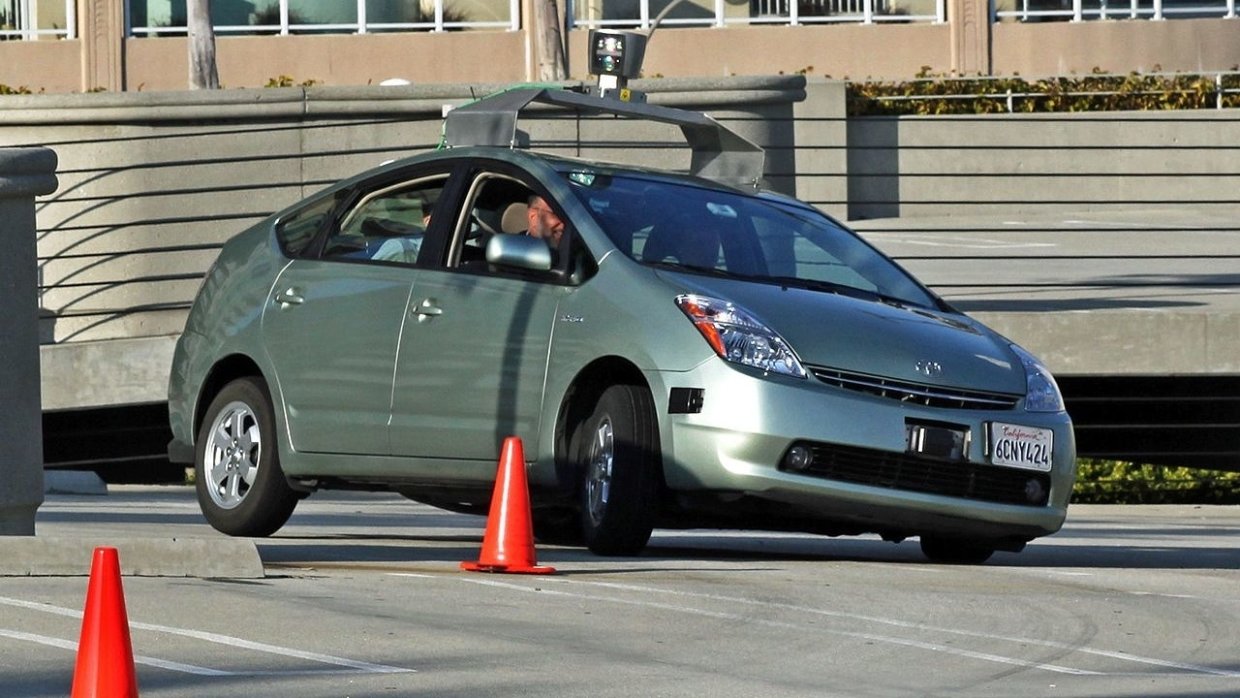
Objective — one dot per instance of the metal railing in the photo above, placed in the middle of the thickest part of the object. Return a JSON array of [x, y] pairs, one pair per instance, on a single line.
[[289, 21], [27, 20], [1083, 10], [592, 13]]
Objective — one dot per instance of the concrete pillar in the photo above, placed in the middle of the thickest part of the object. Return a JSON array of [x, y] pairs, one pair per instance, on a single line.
[[101, 26], [970, 36], [820, 137], [24, 174]]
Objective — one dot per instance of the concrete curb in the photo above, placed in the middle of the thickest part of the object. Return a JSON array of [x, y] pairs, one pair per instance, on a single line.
[[73, 482], [43, 556]]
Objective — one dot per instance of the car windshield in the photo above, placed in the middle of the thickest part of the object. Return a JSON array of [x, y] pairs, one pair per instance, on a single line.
[[721, 233]]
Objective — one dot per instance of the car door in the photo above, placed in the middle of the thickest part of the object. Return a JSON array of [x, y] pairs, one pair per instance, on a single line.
[[473, 357], [332, 324]]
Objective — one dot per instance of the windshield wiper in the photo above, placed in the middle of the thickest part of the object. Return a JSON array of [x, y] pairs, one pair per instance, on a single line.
[[709, 271], [815, 285], [839, 289]]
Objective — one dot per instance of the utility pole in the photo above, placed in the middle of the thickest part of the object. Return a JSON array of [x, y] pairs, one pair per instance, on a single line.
[[203, 74], [552, 56]]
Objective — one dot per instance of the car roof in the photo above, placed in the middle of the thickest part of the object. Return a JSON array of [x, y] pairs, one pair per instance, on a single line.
[[535, 159]]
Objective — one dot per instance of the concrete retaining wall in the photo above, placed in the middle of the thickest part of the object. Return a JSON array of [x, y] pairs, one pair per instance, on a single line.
[[153, 183], [1005, 164]]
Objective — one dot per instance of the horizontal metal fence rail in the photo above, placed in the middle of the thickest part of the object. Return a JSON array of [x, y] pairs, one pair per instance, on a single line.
[[583, 14], [290, 22], [1085, 10]]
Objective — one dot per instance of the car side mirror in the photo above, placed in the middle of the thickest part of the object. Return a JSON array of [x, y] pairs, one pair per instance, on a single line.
[[519, 251]]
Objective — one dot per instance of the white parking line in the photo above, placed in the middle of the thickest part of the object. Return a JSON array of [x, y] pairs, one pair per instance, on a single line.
[[1195, 668], [148, 661], [351, 665], [721, 615], [920, 627]]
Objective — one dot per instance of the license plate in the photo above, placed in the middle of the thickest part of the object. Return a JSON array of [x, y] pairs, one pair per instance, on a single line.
[[1018, 446]]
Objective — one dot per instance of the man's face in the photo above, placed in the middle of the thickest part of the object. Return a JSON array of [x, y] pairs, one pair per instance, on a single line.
[[543, 223]]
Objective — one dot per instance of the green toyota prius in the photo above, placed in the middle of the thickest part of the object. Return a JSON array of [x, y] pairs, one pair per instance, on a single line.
[[682, 350]]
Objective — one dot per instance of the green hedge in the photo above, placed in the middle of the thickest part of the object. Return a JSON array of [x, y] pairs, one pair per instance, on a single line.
[[1119, 482], [936, 94]]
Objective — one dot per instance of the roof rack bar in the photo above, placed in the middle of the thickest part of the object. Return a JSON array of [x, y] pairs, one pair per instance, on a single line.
[[719, 153]]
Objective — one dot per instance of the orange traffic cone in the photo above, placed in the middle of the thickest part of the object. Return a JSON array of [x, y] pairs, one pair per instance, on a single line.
[[105, 657], [508, 545]]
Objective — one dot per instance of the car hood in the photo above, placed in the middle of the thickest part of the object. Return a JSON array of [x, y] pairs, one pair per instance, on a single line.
[[909, 343]]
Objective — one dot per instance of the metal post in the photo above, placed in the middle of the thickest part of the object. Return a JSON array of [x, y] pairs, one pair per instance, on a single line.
[[24, 174]]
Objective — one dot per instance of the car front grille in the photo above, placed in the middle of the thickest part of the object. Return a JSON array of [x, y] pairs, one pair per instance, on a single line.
[[916, 393], [902, 471]]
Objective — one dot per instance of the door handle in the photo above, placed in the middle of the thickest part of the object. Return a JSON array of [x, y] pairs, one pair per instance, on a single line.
[[288, 297], [426, 310]]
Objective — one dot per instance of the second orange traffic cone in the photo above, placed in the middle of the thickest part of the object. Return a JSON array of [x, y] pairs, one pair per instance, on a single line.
[[105, 656], [508, 545]]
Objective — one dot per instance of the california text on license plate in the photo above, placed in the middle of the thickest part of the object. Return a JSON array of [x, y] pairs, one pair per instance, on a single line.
[[1021, 447]]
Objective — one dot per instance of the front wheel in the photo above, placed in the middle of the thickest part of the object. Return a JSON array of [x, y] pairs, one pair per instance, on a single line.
[[956, 551], [618, 451], [241, 487]]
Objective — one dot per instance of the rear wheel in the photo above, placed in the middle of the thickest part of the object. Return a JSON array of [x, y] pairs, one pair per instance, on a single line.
[[956, 551], [241, 487], [617, 449]]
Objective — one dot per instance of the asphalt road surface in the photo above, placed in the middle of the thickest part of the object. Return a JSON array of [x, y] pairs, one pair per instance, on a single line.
[[363, 597]]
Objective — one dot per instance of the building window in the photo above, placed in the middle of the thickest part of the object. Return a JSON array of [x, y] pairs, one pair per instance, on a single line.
[[37, 19], [718, 13], [168, 17]]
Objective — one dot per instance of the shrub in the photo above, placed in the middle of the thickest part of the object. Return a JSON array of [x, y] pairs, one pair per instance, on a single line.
[[288, 81], [1121, 482], [931, 94]]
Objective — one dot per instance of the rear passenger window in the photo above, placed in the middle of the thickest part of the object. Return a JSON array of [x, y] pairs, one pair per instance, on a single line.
[[296, 231], [387, 225]]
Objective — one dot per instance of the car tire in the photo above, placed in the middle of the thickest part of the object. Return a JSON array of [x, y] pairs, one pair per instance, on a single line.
[[618, 452], [956, 551], [241, 488]]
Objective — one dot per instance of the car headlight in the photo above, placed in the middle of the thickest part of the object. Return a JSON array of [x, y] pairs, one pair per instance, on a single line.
[[1042, 393], [737, 336]]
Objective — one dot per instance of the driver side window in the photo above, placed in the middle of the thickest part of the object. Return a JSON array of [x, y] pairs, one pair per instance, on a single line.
[[497, 206]]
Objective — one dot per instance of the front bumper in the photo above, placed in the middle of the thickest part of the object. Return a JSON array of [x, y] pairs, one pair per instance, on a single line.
[[747, 422]]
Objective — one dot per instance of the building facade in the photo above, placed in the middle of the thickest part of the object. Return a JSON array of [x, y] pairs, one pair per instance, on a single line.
[[139, 45]]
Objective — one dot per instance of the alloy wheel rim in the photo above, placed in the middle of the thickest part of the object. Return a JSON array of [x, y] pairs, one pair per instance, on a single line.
[[233, 450], [598, 479]]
